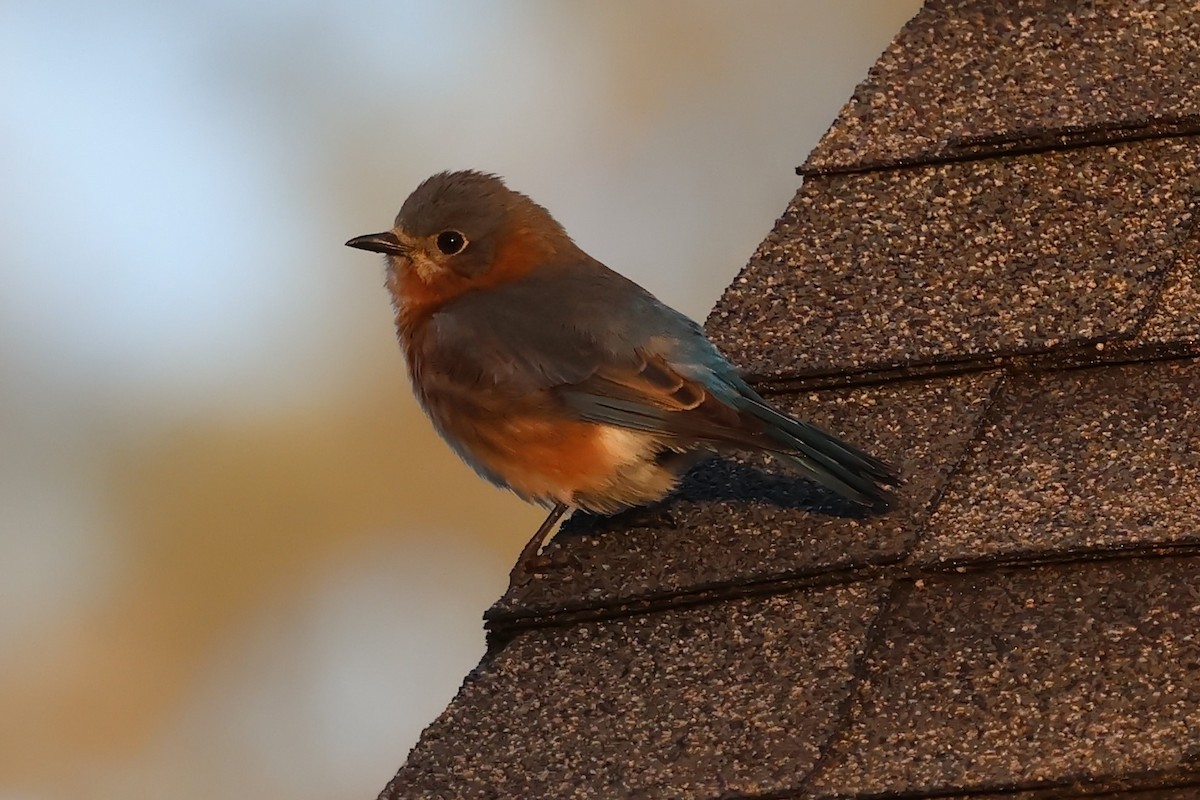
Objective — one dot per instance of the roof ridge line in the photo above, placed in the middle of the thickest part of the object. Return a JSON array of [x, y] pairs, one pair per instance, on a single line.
[[1031, 142]]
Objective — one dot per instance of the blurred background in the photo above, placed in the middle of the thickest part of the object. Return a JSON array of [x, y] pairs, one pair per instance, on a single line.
[[234, 558]]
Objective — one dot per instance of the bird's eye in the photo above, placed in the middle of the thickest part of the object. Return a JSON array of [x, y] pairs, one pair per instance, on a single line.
[[451, 242]]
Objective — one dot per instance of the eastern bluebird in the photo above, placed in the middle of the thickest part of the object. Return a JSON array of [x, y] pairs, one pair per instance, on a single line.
[[557, 378]]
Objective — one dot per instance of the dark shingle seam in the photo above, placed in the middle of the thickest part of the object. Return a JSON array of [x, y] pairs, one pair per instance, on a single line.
[[1029, 143], [1075, 555], [894, 596], [964, 454], [1098, 353], [1188, 238], [1129, 786], [501, 628]]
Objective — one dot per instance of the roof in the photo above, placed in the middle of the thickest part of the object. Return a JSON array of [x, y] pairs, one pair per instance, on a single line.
[[990, 277]]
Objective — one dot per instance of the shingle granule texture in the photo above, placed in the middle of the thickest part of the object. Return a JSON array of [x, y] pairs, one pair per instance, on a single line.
[[1176, 318], [994, 283], [635, 707], [1051, 674], [1077, 461], [968, 78], [962, 261]]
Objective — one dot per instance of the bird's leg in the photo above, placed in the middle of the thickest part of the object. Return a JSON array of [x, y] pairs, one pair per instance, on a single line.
[[530, 552]]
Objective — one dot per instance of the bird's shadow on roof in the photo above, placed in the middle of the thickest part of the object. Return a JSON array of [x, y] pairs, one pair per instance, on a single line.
[[723, 481]]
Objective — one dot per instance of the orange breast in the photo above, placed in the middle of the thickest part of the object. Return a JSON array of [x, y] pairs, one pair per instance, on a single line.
[[538, 457]]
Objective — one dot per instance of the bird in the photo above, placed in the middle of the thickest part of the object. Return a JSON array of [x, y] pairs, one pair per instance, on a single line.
[[560, 379]]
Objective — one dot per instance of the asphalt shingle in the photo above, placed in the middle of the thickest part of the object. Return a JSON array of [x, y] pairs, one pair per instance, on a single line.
[[963, 261], [966, 78], [1176, 316], [1058, 674], [635, 707], [1078, 461]]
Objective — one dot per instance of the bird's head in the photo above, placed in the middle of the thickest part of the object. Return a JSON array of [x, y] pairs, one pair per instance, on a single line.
[[464, 230]]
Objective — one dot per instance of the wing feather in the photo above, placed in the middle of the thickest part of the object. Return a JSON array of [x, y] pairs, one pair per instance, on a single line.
[[632, 362]]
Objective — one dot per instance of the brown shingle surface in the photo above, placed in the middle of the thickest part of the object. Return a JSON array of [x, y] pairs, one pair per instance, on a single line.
[[967, 78], [1079, 460], [1021, 334], [962, 261], [1055, 674], [636, 707], [733, 524], [1176, 316]]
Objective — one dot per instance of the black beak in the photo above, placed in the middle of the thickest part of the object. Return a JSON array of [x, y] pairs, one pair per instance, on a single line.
[[379, 243]]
